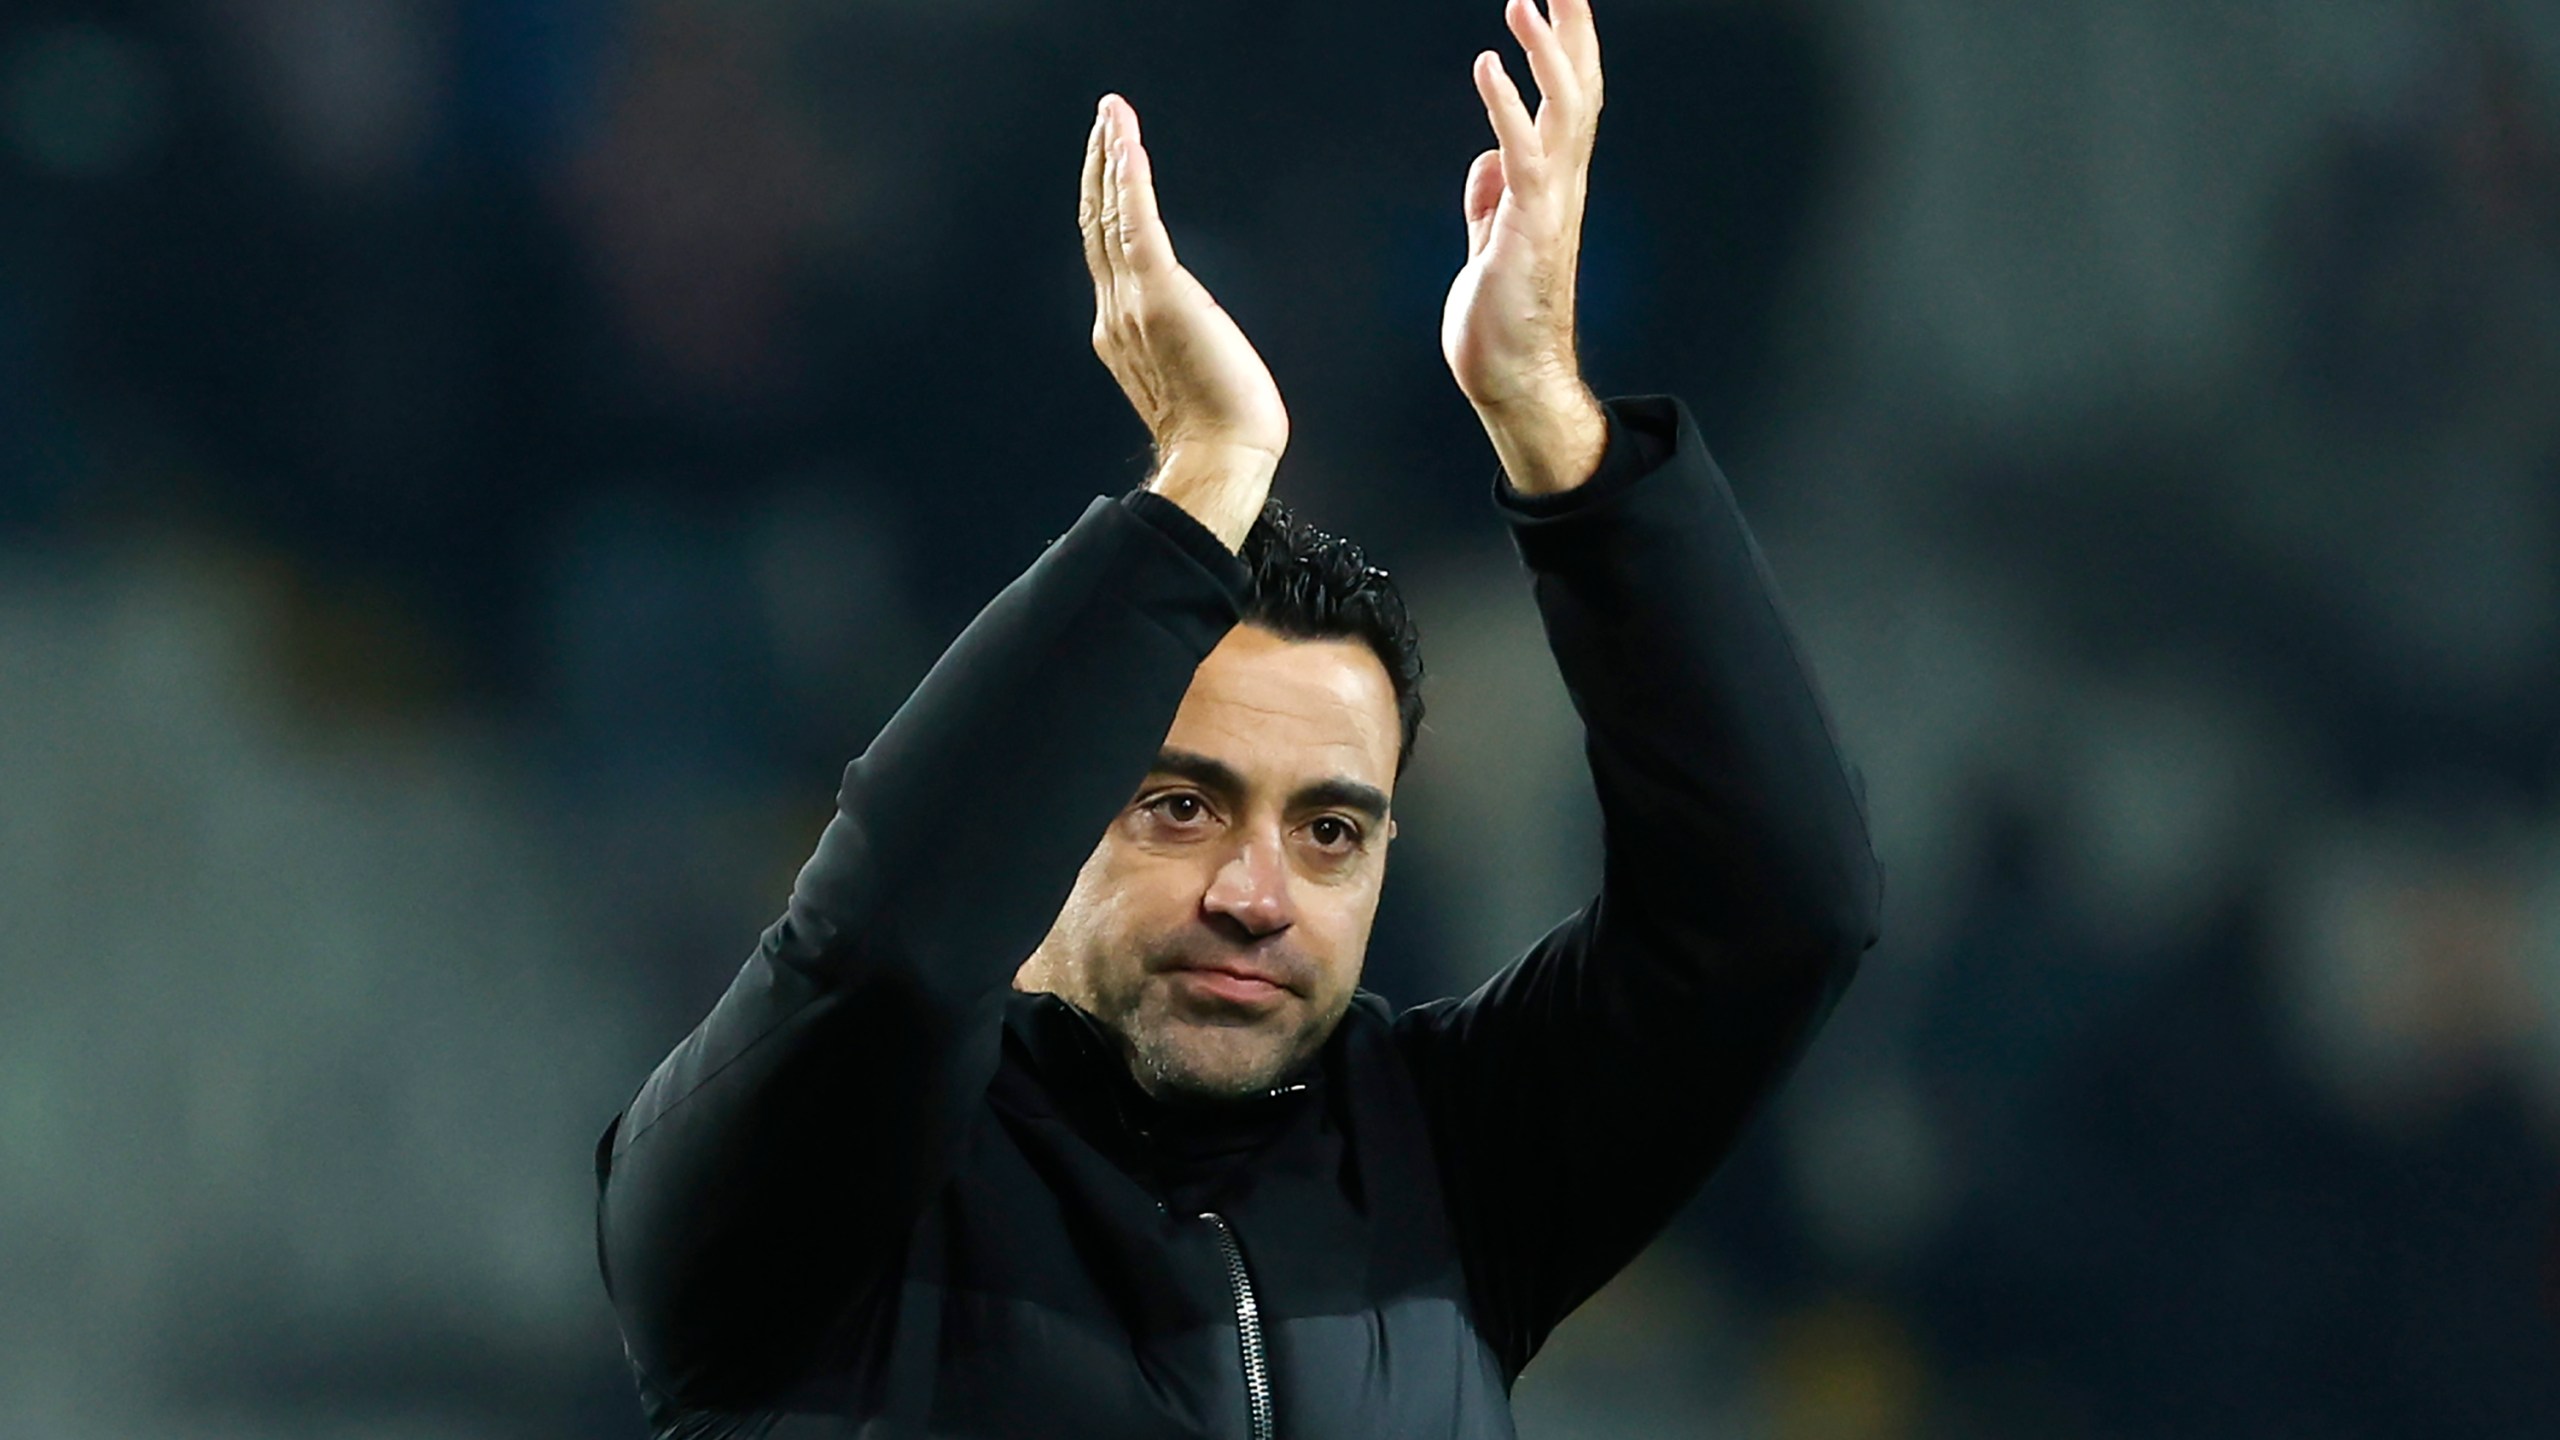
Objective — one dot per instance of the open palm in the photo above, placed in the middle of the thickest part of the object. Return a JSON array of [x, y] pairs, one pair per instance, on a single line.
[[1507, 330]]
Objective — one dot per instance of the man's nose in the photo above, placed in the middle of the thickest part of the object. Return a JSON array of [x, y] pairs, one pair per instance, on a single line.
[[1252, 887]]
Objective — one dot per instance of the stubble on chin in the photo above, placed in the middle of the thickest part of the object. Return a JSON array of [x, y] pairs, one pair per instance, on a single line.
[[1174, 1054]]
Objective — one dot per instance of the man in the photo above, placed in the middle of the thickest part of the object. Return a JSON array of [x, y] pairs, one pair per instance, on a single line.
[[1181, 1177]]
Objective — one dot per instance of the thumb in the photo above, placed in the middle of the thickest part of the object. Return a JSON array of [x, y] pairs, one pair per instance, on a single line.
[[1483, 193]]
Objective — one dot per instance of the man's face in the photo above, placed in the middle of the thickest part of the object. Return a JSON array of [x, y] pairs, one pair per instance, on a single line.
[[1218, 928]]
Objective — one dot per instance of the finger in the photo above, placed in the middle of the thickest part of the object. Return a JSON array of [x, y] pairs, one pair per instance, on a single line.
[[1143, 239], [1115, 262], [1089, 204], [1521, 150], [1481, 197], [1566, 106], [1559, 89], [1574, 27]]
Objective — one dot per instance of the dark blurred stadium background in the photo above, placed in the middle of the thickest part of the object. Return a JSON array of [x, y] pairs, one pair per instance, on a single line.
[[471, 471]]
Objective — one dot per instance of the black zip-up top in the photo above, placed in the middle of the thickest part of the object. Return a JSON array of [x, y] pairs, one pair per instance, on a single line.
[[879, 1193]]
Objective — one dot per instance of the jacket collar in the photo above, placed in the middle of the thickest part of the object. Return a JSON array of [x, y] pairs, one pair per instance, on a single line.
[[1087, 1082]]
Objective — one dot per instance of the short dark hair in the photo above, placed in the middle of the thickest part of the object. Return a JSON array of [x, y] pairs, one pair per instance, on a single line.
[[1308, 585]]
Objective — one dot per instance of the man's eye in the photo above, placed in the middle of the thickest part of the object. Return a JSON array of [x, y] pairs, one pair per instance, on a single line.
[[1333, 833], [1180, 809]]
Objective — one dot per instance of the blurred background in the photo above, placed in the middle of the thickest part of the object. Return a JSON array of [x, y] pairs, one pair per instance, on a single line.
[[472, 471]]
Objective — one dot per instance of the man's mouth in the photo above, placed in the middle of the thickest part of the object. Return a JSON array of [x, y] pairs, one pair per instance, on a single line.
[[1233, 984]]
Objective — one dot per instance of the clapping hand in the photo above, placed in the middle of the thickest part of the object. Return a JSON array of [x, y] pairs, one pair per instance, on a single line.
[[1187, 369], [1508, 328]]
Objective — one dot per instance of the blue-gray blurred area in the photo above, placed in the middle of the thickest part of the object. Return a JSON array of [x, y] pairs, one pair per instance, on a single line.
[[472, 471]]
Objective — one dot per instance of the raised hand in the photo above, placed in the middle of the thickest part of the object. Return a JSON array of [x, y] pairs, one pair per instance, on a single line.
[[1203, 392], [1508, 328]]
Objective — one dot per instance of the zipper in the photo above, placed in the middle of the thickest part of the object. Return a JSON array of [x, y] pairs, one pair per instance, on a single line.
[[1257, 1369]]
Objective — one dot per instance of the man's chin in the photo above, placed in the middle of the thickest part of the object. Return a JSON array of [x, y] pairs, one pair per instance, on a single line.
[[1216, 1059]]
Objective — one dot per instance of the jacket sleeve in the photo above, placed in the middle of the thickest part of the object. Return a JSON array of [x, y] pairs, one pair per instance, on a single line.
[[766, 1175], [1582, 1095]]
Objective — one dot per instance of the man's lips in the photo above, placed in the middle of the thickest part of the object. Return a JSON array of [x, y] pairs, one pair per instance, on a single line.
[[1243, 984]]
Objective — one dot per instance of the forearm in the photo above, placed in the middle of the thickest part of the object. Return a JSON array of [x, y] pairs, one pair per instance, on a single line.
[[1733, 825], [774, 1159], [960, 829], [1549, 444], [1220, 485], [1581, 1096]]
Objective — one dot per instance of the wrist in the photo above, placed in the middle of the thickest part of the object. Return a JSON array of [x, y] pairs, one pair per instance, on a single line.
[[1220, 485], [1551, 442]]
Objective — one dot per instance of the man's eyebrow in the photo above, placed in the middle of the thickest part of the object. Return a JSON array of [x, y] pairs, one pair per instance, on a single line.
[[1200, 770], [1220, 778], [1341, 794]]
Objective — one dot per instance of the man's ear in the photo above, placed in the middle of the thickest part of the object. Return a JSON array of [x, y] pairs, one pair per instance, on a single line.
[[1391, 827]]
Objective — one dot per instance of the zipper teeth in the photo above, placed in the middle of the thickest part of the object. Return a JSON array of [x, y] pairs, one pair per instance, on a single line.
[[1257, 1372]]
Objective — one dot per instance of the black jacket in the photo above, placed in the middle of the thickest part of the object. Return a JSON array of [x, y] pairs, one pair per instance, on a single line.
[[877, 1192]]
